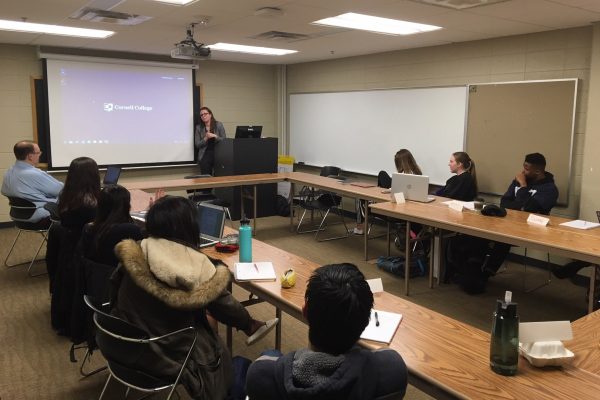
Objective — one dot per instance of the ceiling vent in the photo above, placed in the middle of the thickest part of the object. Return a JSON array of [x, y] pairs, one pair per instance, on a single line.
[[281, 36], [109, 17], [459, 4]]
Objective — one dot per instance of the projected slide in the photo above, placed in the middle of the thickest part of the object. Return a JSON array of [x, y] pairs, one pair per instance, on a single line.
[[119, 114]]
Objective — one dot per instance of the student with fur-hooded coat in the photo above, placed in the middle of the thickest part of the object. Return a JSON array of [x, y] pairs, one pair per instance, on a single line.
[[164, 284]]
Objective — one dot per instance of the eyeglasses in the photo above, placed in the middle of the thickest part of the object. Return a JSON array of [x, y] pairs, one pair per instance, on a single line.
[[37, 152], [204, 114]]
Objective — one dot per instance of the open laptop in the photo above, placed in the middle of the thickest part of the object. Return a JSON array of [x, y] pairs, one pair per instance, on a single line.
[[211, 221], [111, 177], [414, 187]]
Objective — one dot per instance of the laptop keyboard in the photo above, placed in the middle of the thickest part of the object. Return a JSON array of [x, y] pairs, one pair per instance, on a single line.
[[205, 241]]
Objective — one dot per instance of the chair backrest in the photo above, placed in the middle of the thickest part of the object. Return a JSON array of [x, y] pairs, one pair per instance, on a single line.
[[21, 208], [384, 180], [123, 345], [330, 171]]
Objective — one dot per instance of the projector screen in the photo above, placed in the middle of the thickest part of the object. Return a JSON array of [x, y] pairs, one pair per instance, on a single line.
[[118, 113]]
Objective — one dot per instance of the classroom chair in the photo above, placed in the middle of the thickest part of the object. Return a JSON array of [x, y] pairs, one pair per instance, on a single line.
[[122, 344], [323, 202], [20, 211]]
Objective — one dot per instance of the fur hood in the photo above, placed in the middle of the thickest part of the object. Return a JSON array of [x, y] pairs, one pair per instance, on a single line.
[[175, 274]]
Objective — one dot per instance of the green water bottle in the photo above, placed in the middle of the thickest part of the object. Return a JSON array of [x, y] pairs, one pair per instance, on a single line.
[[504, 343], [245, 240]]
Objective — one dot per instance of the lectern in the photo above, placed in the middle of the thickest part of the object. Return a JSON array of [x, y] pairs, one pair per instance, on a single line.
[[242, 157]]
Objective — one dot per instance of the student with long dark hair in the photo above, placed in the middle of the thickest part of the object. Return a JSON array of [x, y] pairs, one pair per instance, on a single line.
[[168, 284], [78, 200], [111, 225]]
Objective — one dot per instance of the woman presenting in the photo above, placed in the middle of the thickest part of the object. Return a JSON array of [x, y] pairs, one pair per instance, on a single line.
[[208, 132]]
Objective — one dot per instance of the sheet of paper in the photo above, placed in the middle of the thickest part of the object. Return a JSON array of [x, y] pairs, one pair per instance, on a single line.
[[469, 205], [388, 323], [456, 206], [537, 220], [376, 285], [546, 331], [398, 198], [580, 224], [254, 271]]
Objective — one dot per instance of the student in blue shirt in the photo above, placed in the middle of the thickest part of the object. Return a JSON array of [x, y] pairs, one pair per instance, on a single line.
[[26, 181]]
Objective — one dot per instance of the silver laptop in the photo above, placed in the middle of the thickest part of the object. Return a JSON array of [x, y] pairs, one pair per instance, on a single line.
[[211, 221], [414, 187]]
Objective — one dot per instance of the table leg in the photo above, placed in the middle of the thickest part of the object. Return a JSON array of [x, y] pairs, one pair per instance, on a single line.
[[388, 237], [592, 289], [255, 212], [366, 229], [292, 207], [407, 253], [242, 211], [278, 329], [431, 253]]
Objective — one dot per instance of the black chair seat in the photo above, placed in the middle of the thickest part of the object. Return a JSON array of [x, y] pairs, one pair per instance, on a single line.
[[42, 225]]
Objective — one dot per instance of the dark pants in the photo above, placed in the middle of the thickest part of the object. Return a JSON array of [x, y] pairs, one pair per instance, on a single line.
[[207, 162], [497, 256]]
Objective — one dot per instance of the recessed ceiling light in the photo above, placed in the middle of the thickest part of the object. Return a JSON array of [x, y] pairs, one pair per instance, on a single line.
[[53, 29], [176, 2], [239, 48], [376, 24]]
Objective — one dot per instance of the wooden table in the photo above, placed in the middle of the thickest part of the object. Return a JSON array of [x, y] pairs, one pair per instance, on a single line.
[[342, 188], [211, 182], [446, 358], [586, 343], [513, 229]]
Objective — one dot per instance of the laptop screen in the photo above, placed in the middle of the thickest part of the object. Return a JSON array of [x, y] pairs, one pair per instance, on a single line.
[[112, 175], [211, 220]]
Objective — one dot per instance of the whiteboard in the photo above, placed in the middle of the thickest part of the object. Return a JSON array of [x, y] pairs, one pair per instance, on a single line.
[[361, 131]]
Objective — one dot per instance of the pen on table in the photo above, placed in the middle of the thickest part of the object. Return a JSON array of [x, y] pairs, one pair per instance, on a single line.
[[376, 319], [255, 266]]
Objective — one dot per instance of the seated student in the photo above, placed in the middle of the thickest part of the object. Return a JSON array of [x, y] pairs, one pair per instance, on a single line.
[[111, 225], [164, 283], [533, 190], [406, 164], [462, 186], [76, 207], [26, 181], [338, 304], [78, 200]]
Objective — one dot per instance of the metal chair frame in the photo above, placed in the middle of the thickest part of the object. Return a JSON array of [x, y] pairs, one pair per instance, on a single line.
[[21, 229], [140, 340]]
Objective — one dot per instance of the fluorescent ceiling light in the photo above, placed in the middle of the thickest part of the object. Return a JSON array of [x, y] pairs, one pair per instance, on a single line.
[[53, 29], [177, 2], [239, 48], [376, 24]]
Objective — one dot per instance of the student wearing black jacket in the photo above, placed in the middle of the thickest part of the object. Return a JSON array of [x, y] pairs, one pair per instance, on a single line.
[[463, 185], [533, 190]]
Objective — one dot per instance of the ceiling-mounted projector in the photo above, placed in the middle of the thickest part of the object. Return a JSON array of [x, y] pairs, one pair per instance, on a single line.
[[189, 49]]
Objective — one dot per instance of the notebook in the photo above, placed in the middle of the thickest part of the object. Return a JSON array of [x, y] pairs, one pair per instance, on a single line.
[[254, 271], [111, 177], [385, 330], [414, 187], [211, 221]]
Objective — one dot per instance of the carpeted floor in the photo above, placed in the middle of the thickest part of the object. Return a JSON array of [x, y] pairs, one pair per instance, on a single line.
[[34, 362]]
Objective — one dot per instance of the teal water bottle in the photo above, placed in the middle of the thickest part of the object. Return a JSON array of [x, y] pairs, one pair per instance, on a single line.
[[245, 238], [504, 343]]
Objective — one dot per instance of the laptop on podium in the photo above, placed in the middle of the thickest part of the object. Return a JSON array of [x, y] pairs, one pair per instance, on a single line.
[[414, 187]]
